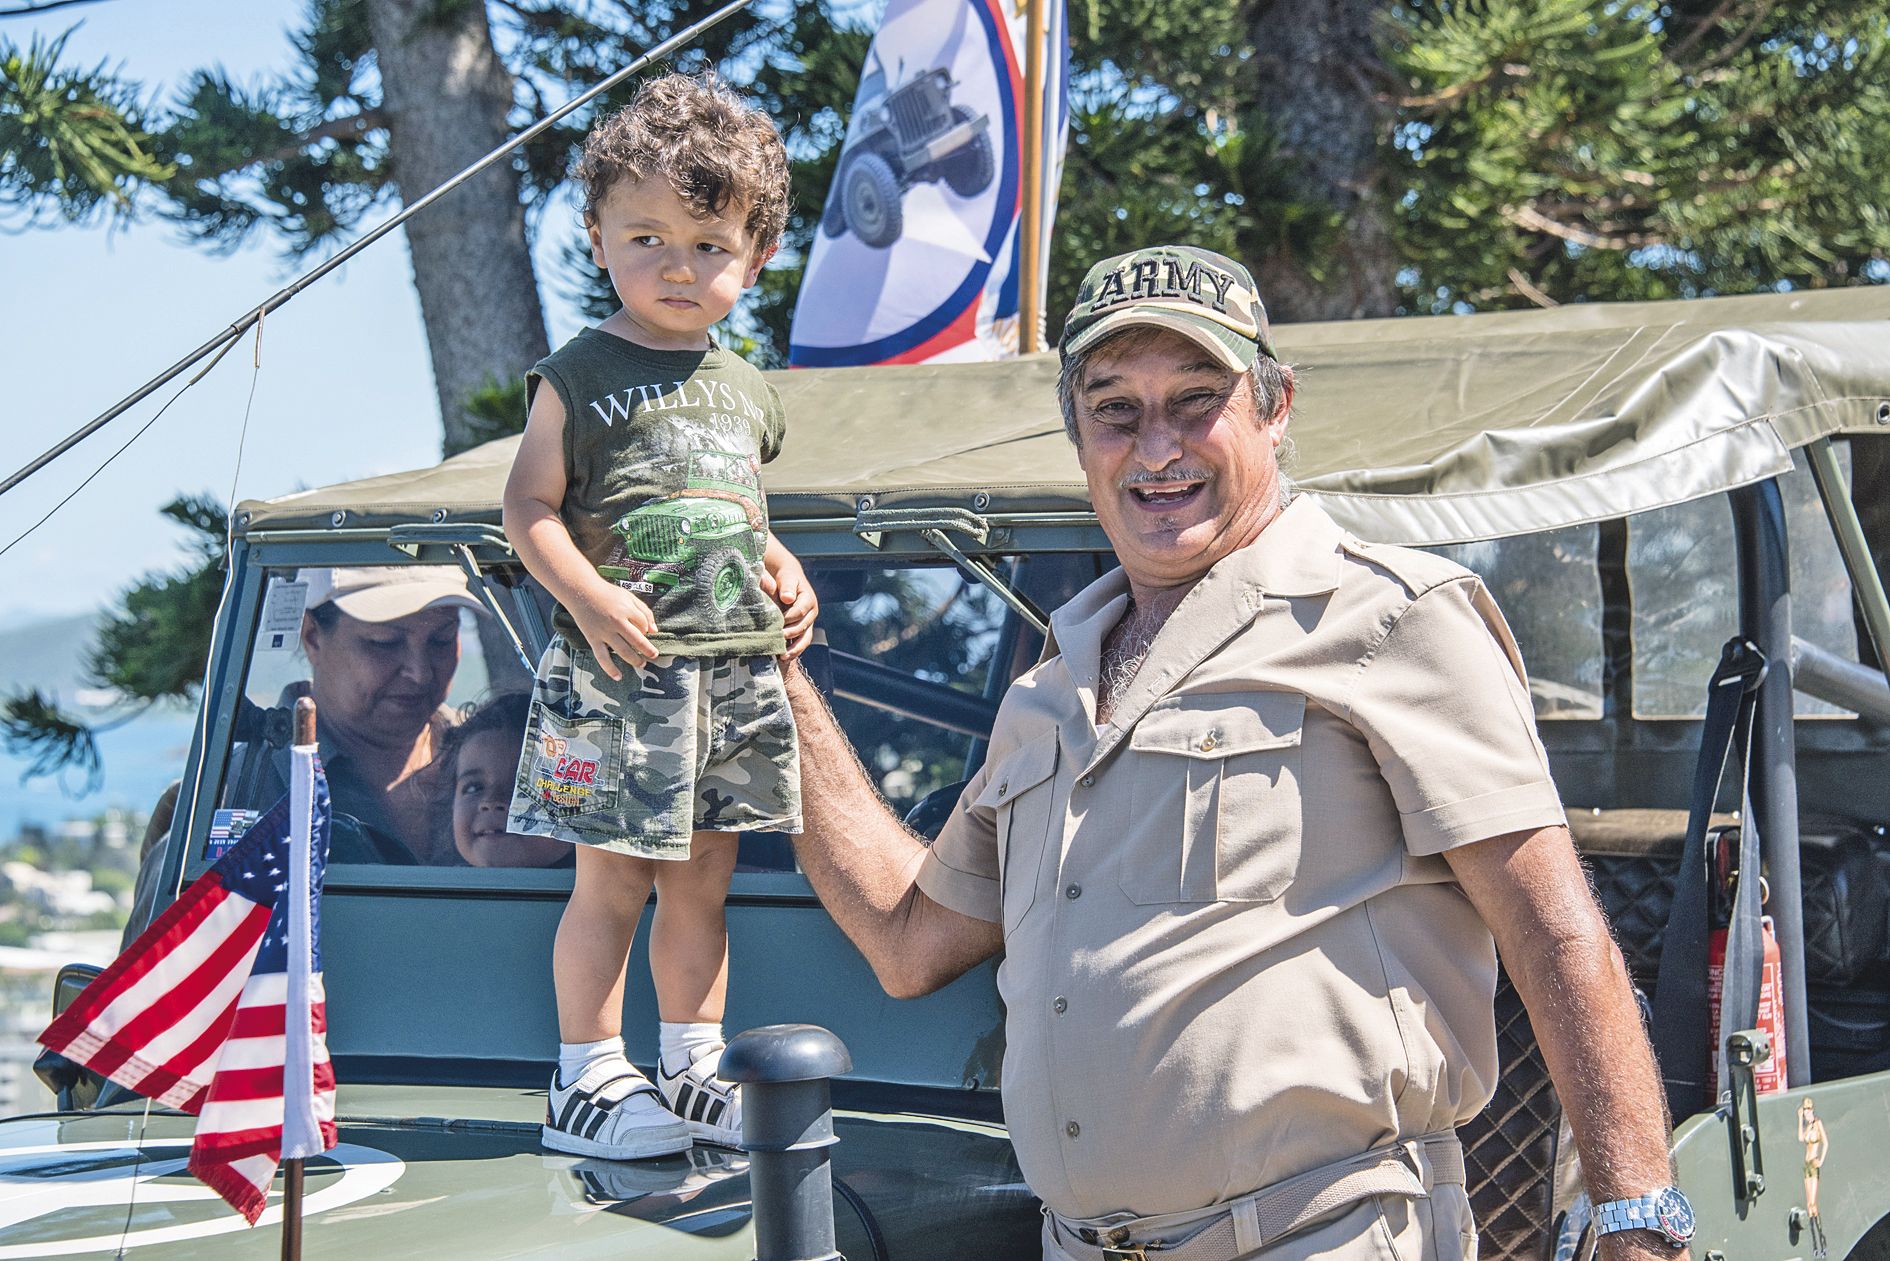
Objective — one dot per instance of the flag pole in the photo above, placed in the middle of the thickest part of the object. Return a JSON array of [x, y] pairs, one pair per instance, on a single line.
[[304, 735], [1030, 313], [292, 1210]]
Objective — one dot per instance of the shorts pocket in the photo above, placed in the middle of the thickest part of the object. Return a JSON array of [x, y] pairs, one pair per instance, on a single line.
[[570, 768], [1021, 791], [1217, 805]]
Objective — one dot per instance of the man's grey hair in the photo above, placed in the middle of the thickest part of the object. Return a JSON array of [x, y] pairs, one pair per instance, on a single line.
[[1269, 378]]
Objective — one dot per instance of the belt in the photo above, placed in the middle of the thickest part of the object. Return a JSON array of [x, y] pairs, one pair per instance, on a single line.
[[1241, 1226]]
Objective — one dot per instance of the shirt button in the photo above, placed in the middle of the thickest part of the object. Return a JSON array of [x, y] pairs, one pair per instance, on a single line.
[[1003, 789], [1208, 743], [1061, 1005], [1088, 780], [1073, 1129], [1074, 892]]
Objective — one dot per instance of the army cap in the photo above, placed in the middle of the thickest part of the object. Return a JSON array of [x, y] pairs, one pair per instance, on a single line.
[[1206, 297]]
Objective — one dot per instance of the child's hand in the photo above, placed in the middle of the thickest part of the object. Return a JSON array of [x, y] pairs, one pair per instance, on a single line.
[[615, 623], [783, 578]]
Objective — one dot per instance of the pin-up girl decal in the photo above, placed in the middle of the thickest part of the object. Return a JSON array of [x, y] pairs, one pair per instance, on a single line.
[[1817, 1144]]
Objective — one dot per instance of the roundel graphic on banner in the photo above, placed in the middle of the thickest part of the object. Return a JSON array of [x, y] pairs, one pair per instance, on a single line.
[[925, 195], [70, 1199]]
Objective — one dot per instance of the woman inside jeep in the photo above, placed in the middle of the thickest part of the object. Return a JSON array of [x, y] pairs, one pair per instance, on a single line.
[[383, 647]]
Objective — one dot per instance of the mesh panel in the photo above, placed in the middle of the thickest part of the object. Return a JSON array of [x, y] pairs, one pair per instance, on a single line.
[[1509, 1147]]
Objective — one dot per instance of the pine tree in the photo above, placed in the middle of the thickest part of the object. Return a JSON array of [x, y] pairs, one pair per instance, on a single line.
[[1564, 150]]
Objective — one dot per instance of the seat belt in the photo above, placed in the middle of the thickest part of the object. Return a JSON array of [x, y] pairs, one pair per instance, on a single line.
[[1680, 999]]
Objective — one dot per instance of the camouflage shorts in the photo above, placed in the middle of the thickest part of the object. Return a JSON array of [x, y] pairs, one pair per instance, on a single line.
[[634, 766]]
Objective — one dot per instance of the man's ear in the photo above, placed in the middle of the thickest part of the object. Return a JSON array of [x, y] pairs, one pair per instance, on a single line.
[[755, 265], [1277, 422], [311, 638]]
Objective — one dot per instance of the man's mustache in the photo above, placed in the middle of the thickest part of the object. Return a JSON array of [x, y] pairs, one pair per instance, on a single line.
[[1166, 475]]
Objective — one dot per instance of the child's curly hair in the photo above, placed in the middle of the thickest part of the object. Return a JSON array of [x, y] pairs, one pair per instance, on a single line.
[[507, 711], [715, 149]]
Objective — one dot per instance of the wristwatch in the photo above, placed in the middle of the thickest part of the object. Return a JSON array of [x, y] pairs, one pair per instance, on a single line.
[[1666, 1212]]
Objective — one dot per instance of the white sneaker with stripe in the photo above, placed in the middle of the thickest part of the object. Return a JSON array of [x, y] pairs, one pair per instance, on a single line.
[[612, 1112], [712, 1108]]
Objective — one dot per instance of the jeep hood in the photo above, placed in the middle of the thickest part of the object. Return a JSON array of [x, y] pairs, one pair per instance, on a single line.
[[448, 1171]]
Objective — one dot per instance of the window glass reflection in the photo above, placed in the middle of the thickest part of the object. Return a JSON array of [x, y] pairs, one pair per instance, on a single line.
[[1550, 592], [1683, 572]]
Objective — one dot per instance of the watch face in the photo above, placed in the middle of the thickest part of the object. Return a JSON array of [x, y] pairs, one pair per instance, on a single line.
[[1674, 1214]]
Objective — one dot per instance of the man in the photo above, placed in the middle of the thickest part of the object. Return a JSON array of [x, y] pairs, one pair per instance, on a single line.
[[1244, 837]]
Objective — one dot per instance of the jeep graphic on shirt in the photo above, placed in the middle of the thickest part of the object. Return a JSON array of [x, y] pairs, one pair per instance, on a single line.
[[708, 539]]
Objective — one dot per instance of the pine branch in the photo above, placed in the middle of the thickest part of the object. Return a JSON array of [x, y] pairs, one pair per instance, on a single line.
[[35, 729], [1534, 220], [1739, 42], [1457, 91], [353, 127], [1706, 24], [1529, 291]]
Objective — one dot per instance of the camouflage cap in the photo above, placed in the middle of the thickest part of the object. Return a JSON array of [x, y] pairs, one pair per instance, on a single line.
[[1204, 296]]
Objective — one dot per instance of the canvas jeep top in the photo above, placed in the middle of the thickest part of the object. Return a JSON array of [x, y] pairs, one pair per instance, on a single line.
[[1637, 482]]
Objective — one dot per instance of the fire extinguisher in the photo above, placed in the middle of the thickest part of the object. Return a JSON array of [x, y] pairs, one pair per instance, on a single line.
[[1769, 1077]]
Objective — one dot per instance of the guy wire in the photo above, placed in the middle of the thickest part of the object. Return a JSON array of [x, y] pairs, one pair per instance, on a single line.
[[137, 1163], [229, 539], [222, 341], [185, 389]]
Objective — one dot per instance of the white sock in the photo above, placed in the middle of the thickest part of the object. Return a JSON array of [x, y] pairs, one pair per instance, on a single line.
[[577, 1058], [683, 1044], [588, 1065]]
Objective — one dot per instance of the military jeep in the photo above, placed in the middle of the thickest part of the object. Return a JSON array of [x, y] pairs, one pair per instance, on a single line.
[[910, 135], [1636, 483], [711, 537]]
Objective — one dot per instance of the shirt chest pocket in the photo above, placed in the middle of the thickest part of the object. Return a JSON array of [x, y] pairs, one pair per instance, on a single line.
[[1022, 793], [1217, 804]]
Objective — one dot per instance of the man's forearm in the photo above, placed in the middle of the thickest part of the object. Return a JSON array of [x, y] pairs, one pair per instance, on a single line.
[[864, 864], [1555, 943]]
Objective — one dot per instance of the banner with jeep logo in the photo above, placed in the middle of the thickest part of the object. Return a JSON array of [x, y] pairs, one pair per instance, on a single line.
[[916, 258]]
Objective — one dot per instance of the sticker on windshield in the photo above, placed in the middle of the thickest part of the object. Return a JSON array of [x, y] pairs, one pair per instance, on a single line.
[[282, 617], [226, 829]]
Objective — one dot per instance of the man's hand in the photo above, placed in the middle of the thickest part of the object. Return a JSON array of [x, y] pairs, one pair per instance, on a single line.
[[615, 623], [783, 579]]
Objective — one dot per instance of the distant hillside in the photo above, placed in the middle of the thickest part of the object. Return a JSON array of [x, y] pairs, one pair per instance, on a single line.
[[49, 655], [139, 758]]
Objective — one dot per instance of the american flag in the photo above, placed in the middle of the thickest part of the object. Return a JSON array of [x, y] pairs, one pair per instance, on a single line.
[[218, 1008]]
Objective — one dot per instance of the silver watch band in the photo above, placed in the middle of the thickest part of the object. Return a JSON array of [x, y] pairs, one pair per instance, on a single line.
[[1664, 1211], [1635, 1214]]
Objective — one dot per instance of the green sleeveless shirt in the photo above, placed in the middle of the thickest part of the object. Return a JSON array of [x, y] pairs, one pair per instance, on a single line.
[[662, 462]]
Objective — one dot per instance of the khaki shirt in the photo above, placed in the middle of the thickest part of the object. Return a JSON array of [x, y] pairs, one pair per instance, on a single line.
[[1232, 949]]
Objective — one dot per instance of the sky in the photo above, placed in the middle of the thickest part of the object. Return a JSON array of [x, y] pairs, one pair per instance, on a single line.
[[87, 314]]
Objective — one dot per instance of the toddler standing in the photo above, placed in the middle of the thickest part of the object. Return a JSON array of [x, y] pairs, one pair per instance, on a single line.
[[659, 727]]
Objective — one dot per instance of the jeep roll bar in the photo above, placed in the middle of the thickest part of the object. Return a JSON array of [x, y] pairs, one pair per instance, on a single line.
[[1765, 618]]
